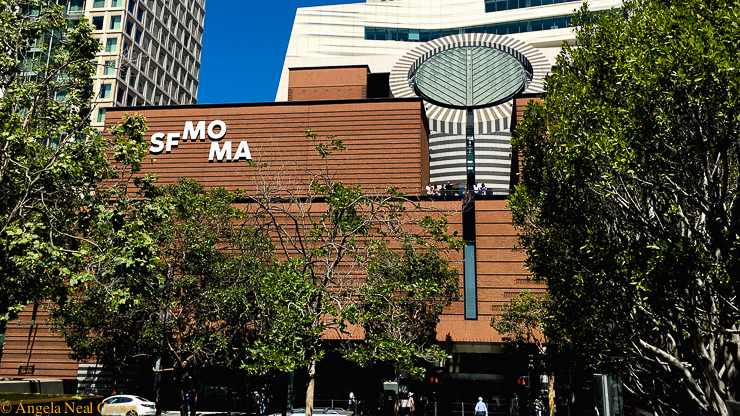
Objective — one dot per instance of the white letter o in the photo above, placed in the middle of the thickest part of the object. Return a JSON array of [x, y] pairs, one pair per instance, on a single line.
[[222, 133]]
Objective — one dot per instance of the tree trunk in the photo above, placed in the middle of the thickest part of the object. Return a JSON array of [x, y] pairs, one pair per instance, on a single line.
[[310, 388], [551, 393], [115, 382], [183, 403], [184, 390]]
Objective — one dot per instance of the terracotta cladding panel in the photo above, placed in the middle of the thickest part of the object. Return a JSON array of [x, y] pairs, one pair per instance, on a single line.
[[384, 143], [350, 92], [506, 281], [497, 241], [518, 114], [36, 345], [485, 217], [460, 330], [325, 77]]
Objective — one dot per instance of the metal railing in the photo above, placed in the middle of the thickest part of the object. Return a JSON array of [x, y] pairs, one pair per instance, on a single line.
[[468, 409], [432, 408]]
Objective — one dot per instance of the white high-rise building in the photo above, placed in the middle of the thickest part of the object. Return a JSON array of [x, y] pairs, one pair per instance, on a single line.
[[466, 59], [151, 51]]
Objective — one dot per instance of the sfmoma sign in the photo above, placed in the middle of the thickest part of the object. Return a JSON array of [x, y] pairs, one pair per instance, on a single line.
[[216, 130]]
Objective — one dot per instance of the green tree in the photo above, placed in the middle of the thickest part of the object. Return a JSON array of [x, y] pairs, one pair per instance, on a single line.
[[627, 204], [50, 159], [171, 273], [370, 264]]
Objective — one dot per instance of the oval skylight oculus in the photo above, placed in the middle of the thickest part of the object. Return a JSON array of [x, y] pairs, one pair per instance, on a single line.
[[470, 77]]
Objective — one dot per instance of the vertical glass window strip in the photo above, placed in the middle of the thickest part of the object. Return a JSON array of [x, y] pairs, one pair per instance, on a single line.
[[101, 115], [470, 150], [131, 6], [469, 284], [97, 4]]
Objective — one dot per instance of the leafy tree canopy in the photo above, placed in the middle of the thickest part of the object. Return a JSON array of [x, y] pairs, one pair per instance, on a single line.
[[377, 272], [628, 198], [50, 159]]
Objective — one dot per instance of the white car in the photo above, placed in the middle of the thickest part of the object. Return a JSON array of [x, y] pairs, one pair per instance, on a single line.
[[125, 405]]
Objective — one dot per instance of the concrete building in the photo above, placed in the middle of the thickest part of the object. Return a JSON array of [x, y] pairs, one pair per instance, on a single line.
[[151, 51], [478, 55]]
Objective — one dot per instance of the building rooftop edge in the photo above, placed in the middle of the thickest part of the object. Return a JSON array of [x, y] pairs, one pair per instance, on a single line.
[[302, 68], [267, 103]]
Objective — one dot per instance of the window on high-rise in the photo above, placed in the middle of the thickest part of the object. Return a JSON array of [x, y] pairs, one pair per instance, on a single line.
[[76, 6], [101, 115], [115, 22], [129, 27], [137, 38], [131, 6], [98, 4], [97, 21], [111, 44], [109, 68], [139, 14], [105, 90], [116, 3]]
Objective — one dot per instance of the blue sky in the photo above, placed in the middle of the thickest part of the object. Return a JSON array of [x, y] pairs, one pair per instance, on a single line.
[[244, 44]]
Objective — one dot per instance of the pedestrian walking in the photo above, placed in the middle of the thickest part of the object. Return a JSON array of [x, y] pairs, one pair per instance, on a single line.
[[480, 408], [539, 406], [412, 404], [352, 400]]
